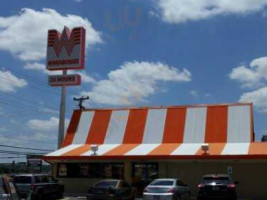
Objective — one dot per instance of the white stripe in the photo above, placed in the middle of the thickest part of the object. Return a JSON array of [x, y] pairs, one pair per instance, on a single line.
[[239, 124], [195, 125], [64, 150], [187, 149], [102, 149], [236, 149], [154, 126], [83, 128], [116, 128], [142, 149]]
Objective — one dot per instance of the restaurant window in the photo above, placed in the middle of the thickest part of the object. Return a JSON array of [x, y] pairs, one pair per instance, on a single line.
[[144, 171], [92, 170]]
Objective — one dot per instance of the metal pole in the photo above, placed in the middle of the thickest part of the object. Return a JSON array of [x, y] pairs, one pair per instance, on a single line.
[[61, 128]]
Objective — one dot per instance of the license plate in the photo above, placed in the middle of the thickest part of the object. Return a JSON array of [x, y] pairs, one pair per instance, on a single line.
[[215, 189], [156, 197]]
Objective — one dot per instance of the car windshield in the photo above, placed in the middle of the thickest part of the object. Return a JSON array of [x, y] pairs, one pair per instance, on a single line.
[[106, 184], [162, 182], [217, 180], [22, 179]]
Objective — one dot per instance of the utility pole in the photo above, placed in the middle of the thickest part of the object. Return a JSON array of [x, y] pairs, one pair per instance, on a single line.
[[61, 128], [81, 100]]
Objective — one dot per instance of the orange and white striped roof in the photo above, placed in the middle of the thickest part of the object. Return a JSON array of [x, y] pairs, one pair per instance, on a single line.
[[166, 131]]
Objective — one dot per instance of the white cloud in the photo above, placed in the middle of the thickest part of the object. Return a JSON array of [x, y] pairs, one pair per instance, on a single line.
[[25, 35], [133, 82], [9, 82], [194, 93], [253, 75], [258, 97], [86, 78], [35, 66], [46, 126], [180, 11]]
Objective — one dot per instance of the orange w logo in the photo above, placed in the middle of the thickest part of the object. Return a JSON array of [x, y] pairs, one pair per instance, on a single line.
[[68, 39]]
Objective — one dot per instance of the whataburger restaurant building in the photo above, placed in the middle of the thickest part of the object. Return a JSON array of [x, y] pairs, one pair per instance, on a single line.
[[140, 144]]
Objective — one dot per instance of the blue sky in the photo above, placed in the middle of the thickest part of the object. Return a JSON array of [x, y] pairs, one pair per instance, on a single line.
[[154, 52]]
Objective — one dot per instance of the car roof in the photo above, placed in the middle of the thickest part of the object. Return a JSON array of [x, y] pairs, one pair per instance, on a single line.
[[217, 175], [165, 179], [32, 175], [109, 180]]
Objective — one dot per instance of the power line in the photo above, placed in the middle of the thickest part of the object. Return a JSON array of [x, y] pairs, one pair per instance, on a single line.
[[17, 147], [28, 140], [33, 78], [21, 153], [33, 87]]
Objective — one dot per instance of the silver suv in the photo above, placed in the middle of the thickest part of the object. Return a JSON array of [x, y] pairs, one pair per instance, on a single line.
[[41, 186]]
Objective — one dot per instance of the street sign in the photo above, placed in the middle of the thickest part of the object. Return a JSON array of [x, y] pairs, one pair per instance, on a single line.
[[66, 50], [64, 80]]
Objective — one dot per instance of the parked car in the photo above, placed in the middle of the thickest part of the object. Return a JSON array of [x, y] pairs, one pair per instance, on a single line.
[[217, 186], [111, 189], [166, 189], [41, 186], [8, 190]]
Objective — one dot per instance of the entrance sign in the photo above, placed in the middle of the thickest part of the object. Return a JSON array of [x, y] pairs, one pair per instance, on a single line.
[[60, 80], [66, 50]]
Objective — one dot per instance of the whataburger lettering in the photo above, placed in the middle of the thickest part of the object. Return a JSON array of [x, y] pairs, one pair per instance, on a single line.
[[63, 62]]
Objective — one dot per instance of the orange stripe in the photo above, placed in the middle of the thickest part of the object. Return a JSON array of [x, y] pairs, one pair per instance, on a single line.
[[258, 149], [121, 150], [135, 126], [99, 127], [78, 151], [174, 125], [72, 127], [214, 149], [164, 149], [216, 125]]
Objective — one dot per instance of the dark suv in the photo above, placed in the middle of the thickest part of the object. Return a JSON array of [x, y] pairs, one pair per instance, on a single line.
[[39, 185], [217, 186]]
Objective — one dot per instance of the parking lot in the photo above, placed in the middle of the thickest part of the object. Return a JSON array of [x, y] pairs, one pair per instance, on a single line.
[[193, 198]]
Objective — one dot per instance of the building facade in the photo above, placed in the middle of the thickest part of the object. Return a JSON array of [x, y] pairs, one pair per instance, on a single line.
[[141, 144]]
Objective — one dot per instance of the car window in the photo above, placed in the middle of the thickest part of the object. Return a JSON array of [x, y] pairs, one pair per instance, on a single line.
[[217, 180], [38, 179], [51, 179], [106, 184], [123, 184], [44, 179], [179, 183], [162, 182], [22, 179]]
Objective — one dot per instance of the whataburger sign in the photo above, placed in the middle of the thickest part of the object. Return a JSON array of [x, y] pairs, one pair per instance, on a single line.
[[65, 51]]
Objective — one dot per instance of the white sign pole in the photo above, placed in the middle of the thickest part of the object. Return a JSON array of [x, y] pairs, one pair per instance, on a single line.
[[61, 128]]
